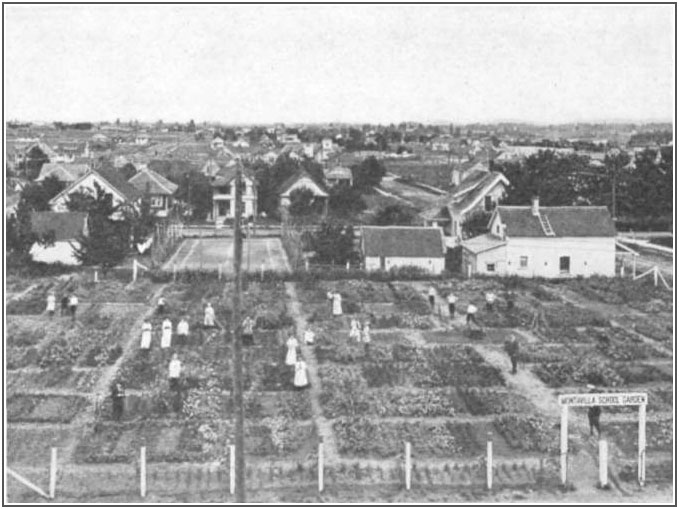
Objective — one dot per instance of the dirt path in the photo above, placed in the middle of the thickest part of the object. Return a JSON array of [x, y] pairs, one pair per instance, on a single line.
[[323, 425]]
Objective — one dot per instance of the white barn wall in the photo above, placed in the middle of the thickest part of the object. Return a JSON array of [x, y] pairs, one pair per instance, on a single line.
[[61, 252], [432, 265]]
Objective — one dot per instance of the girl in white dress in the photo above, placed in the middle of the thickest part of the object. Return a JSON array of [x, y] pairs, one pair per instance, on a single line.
[[166, 337], [209, 320], [355, 332], [309, 337], [291, 357], [301, 380], [146, 331], [337, 304], [365, 335]]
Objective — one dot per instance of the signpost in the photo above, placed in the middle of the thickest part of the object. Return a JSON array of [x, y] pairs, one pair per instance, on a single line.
[[604, 399]]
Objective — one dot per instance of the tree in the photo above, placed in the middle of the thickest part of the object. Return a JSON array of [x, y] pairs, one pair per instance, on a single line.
[[107, 240], [403, 215], [476, 224], [302, 202], [194, 189], [191, 128], [142, 220], [368, 174], [333, 243], [128, 171], [33, 162], [38, 194], [345, 201]]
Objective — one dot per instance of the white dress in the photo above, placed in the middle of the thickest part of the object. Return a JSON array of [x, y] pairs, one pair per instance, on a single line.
[[366, 334], [300, 374], [51, 303], [146, 330], [166, 338], [337, 304], [355, 332], [209, 317], [291, 357], [309, 337]]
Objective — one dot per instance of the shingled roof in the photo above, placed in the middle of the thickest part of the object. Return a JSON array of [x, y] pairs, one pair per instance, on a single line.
[[149, 180], [63, 172], [65, 225], [402, 241], [565, 221]]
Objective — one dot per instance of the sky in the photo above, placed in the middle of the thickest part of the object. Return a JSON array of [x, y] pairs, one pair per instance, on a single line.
[[339, 63]]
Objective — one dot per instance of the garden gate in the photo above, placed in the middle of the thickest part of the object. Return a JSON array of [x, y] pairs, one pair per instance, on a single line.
[[604, 399]]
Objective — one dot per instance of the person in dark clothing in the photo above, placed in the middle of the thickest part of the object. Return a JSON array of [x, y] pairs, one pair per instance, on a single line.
[[593, 414], [64, 305], [118, 399], [511, 297], [512, 349]]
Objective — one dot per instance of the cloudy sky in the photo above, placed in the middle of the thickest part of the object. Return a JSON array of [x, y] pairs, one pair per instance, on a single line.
[[263, 63]]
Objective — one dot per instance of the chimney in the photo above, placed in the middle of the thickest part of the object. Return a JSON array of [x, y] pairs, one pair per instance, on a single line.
[[456, 177], [535, 209]]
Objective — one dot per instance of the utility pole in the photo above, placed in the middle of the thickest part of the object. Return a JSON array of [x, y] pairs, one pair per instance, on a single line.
[[238, 340]]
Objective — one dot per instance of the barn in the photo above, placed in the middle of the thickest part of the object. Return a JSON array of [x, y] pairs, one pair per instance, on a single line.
[[387, 247]]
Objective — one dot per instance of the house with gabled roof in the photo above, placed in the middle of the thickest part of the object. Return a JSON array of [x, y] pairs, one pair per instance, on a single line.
[[549, 242], [159, 189], [224, 194], [64, 172], [108, 179], [67, 227], [302, 180], [474, 190], [388, 247], [338, 175]]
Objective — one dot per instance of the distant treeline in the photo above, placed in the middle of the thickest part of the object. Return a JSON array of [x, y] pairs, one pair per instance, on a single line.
[[83, 126]]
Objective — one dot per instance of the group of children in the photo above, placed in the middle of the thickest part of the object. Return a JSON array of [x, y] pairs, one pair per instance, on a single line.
[[293, 358], [69, 305], [451, 299]]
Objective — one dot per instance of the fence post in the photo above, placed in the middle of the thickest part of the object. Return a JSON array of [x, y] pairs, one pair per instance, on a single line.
[[408, 466], [489, 462], [622, 269], [306, 264], [641, 473], [142, 471], [603, 463], [320, 466], [96, 276], [134, 270], [634, 266], [564, 444], [261, 273], [219, 271], [655, 275], [232, 469], [53, 472], [348, 266]]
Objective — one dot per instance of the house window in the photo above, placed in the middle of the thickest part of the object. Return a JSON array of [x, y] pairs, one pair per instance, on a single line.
[[523, 262], [488, 203], [157, 202], [490, 267], [565, 264]]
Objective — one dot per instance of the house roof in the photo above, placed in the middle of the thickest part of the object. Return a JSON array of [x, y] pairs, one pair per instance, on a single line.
[[402, 241], [112, 177], [338, 172], [483, 243], [64, 172], [155, 183], [565, 221], [227, 173], [66, 225], [285, 186]]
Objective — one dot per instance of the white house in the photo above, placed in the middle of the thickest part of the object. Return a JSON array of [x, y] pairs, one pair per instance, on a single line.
[[302, 180], [550, 242], [160, 190], [108, 179], [67, 227], [224, 195], [475, 189], [339, 175], [64, 172], [386, 247]]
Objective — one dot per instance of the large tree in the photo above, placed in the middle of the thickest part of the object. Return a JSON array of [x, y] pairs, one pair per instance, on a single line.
[[368, 174], [402, 215], [38, 194], [333, 243]]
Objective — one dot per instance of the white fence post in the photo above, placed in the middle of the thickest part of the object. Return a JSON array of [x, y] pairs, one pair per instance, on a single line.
[[489, 462], [96, 276], [142, 471], [53, 472], [641, 474], [306, 264], [408, 466], [603, 463], [232, 469], [134, 270], [564, 444], [655, 275], [261, 273], [320, 466], [634, 267]]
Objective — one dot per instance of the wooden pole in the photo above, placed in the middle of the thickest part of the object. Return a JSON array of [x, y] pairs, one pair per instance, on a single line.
[[489, 462], [142, 471], [564, 444], [261, 273], [238, 340], [320, 466], [96, 276], [232, 469], [634, 266], [642, 445], [655, 275], [134, 270], [408, 466], [53, 472], [603, 463]]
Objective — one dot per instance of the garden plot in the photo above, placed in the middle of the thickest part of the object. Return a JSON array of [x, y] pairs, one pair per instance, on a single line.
[[40, 408], [31, 445], [63, 378]]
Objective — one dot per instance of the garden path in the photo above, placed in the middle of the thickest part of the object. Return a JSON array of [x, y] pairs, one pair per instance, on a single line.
[[101, 388], [614, 313], [323, 425]]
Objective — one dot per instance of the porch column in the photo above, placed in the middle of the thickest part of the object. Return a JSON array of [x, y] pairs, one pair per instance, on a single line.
[[215, 210]]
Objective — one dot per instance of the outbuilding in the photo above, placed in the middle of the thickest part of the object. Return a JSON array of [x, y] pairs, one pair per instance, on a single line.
[[387, 247]]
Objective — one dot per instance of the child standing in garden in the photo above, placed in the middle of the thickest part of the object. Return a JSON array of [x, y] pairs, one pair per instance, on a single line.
[[174, 372], [355, 332], [452, 300], [73, 305], [209, 320], [301, 380], [291, 356], [309, 337], [51, 304], [365, 337], [432, 297], [512, 349], [471, 315], [161, 305], [337, 304], [64, 305], [118, 400], [593, 415], [248, 333], [166, 336], [490, 300], [182, 332]]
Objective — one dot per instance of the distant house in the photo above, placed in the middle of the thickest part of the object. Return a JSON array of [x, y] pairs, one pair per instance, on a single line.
[[285, 137], [64, 172], [112, 183], [339, 175], [224, 195], [67, 227], [550, 242], [241, 142], [302, 180], [160, 190], [441, 144], [387, 247], [475, 190], [217, 143], [213, 165]]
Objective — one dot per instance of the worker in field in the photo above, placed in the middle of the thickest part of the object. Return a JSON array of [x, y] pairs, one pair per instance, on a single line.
[[182, 332], [209, 319], [512, 349], [73, 305], [471, 315], [490, 300], [248, 331], [301, 380], [118, 400], [161, 305], [593, 415], [146, 336], [355, 330], [337, 304], [309, 337], [174, 372], [366, 338], [64, 305], [432, 297], [51, 304], [166, 334], [452, 300]]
